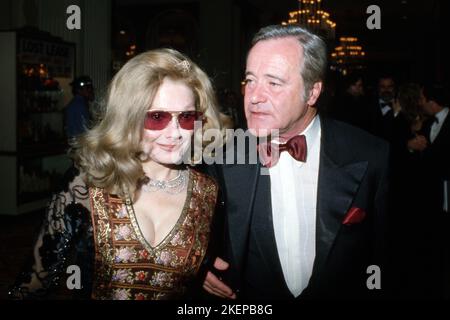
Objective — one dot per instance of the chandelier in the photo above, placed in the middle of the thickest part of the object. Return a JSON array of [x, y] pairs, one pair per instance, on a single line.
[[347, 56], [311, 15]]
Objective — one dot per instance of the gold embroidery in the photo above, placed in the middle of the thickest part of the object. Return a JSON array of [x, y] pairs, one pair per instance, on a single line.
[[131, 269], [104, 259]]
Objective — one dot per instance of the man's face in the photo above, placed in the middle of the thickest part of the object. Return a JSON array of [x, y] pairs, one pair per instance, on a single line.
[[426, 105], [386, 89], [88, 92], [274, 89], [422, 99], [357, 89]]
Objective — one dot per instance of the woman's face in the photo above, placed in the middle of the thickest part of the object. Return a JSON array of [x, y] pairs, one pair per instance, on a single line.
[[168, 144]]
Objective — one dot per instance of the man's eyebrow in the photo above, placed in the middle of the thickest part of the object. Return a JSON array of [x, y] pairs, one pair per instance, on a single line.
[[271, 76], [268, 75]]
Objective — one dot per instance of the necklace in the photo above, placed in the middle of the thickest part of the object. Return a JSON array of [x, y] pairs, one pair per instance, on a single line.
[[173, 186]]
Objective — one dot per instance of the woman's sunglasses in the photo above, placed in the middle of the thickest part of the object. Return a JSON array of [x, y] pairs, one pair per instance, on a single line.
[[158, 120]]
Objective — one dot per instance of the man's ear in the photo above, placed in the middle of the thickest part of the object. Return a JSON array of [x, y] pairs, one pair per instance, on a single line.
[[314, 93]]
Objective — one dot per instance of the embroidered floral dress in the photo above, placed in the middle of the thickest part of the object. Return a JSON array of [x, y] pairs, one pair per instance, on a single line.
[[100, 234]]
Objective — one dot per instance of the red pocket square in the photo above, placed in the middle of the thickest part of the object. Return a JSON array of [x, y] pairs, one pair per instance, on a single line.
[[354, 215]]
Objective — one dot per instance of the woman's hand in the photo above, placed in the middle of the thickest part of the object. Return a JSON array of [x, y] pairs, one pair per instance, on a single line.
[[418, 143], [396, 107]]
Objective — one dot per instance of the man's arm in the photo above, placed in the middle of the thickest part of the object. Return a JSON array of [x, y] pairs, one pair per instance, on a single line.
[[213, 283]]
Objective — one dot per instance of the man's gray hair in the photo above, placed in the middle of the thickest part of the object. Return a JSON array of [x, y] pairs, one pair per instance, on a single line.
[[314, 64]]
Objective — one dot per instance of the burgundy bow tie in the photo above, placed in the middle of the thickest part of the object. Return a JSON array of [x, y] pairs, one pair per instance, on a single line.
[[296, 146]]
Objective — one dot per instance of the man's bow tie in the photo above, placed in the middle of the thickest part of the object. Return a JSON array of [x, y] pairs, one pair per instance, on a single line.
[[436, 119], [270, 152]]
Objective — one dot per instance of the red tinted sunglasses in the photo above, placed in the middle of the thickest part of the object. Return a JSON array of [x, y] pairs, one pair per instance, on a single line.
[[158, 120]]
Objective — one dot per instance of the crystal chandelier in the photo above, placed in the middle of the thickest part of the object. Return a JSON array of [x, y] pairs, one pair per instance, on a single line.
[[347, 56], [311, 15]]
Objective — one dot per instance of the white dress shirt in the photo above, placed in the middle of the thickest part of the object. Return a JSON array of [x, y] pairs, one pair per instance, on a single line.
[[294, 195], [436, 126], [384, 107]]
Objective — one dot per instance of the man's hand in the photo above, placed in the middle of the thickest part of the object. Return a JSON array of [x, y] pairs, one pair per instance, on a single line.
[[214, 285], [419, 143]]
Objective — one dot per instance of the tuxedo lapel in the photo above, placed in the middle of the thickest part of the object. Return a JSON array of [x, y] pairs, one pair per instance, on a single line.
[[262, 220], [241, 182], [339, 180], [444, 132], [426, 129]]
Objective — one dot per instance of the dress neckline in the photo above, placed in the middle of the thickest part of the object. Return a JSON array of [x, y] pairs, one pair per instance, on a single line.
[[137, 229]]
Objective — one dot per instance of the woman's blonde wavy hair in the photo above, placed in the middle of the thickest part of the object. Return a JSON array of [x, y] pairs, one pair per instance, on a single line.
[[109, 155]]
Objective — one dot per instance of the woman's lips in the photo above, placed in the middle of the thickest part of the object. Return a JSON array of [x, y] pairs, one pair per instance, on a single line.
[[167, 147]]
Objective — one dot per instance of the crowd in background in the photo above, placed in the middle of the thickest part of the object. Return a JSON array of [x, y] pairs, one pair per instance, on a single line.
[[413, 118]]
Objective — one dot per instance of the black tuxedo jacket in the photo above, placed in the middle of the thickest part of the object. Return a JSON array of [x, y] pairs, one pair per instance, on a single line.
[[352, 173], [378, 124], [438, 152], [436, 164]]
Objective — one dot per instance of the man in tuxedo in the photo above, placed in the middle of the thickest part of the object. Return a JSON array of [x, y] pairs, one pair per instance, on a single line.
[[312, 226], [381, 109], [436, 185], [437, 131], [76, 115]]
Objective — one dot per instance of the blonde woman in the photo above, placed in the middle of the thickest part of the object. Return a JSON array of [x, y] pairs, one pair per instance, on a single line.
[[133, 220]]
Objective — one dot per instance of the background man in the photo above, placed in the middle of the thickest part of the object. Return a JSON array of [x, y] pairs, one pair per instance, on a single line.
[[77, 111]]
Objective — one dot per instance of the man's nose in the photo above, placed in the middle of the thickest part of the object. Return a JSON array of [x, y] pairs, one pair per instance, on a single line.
[[257, 94]]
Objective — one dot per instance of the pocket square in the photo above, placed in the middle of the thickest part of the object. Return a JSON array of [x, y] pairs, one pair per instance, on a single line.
[[354, 215]]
